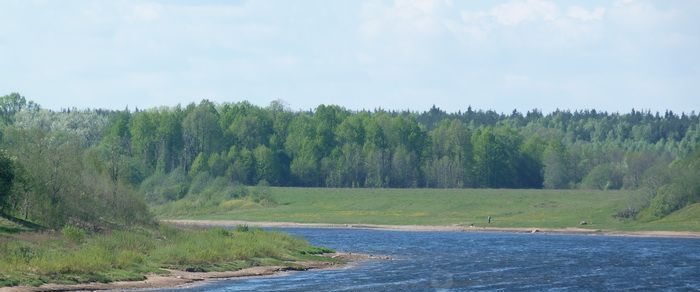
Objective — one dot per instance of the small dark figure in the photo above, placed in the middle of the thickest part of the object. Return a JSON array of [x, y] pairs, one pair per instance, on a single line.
[[489, 219]]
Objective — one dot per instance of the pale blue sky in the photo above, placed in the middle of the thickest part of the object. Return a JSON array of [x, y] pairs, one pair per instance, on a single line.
[[501, 55]]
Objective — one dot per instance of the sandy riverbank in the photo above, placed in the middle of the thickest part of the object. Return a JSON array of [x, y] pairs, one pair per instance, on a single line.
[[176, 278], [571, 230]]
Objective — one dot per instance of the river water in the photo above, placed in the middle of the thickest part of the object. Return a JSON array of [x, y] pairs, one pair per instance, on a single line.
[[458, 261]]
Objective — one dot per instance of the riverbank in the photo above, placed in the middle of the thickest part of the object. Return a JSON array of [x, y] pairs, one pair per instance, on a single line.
[[75, 257], [459, 228], [179, 278]]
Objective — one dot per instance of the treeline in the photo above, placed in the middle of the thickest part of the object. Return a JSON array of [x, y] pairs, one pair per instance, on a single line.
[[165, 152], [334, 147]]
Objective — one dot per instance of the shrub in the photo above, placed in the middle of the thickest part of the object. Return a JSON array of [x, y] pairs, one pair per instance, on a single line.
[[603, 177], [73, 234], [261, 195], [627, 213], [161, 188], [668, 198]]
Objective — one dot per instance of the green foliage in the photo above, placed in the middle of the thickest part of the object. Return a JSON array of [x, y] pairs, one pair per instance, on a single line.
[[261, 194], [11, 104], [557, 166], [160, 187], [200, 131], [497, 158], [7, 176], [73, 234], [669, 198], [603, 177], [331, 146], [57, 185], [679, 190], [199, 165]]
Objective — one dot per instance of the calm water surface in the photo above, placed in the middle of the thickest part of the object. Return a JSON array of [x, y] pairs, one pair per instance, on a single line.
[[454, 261]]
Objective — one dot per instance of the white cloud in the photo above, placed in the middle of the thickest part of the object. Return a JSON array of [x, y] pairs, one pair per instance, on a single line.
[[145, 12], [517, 12], [536, 24], [580, 13], [402, 17]]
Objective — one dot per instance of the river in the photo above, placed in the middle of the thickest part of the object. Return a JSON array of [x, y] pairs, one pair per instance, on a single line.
[[458, 261]]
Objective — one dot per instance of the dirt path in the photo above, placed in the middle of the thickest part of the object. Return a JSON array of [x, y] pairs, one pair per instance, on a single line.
[[571, 230]]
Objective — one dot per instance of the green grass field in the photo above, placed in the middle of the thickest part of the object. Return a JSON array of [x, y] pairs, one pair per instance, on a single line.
[[507, 207]]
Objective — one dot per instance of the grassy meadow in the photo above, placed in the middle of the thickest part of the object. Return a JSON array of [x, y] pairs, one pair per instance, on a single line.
[[507, 207], [74, 256]]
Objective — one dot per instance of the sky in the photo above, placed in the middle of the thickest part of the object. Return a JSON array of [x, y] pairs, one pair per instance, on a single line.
[[398, 55]]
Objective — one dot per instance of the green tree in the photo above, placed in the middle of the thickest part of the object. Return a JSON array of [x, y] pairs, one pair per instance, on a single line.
[[496, 157], [143, 127], [267, 165], [243, 168], [7, 176], [304, 169], [199, 165], [404, 169], [377, 163], [557, 167], [217, 165], [13, 103], [201, 131]]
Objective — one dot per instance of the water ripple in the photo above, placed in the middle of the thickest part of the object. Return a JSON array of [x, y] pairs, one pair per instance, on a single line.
[[453, 261]]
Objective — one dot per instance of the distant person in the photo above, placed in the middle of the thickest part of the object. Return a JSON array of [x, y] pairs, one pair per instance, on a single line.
[[489, 219]]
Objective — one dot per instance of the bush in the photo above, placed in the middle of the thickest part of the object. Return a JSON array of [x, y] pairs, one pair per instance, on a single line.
[[261, 195], [603, 177], [73, 234], [161, 188], [627, 213], [237, 191], [668, 198], [676, 187]]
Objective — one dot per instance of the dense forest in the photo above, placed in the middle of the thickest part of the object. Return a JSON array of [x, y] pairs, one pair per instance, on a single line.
[[111, 159]]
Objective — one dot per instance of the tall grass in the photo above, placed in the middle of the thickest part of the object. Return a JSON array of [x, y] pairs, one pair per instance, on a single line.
[[130, 254], [219, 245]]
